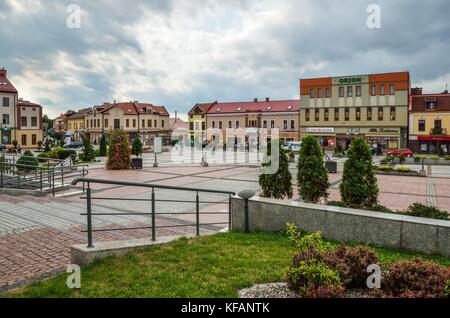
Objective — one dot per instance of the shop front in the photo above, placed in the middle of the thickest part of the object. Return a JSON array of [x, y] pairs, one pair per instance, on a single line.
[[432, 144]]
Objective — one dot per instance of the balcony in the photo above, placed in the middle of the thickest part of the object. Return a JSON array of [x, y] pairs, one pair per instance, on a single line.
[[438, 131]]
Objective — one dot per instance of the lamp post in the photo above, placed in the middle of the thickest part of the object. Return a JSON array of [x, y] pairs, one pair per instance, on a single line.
[[246, 195]]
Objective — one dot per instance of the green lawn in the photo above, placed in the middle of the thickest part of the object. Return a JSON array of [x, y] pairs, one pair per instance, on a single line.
[[212, 266]]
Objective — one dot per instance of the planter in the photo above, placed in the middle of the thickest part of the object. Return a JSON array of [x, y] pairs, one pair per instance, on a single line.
[[136, 163], [331, 166], [398, 173]]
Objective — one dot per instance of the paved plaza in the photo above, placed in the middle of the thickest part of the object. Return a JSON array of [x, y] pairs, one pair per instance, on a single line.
[[36, 233]]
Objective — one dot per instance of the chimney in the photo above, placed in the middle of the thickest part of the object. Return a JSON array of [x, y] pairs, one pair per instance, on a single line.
[[255, 100], [176, 115], [3, 72], [267, 99], [416, 91]]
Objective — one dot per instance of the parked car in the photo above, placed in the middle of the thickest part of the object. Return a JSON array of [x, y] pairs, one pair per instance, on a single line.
[[293, 145], [405, 152], [73, 145]]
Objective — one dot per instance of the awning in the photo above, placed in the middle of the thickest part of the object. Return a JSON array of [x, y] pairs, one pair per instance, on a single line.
[[433, 138]]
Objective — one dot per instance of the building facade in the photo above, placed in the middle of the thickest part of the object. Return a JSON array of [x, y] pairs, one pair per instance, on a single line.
[[429, 122], [338, 109], [75, 124], [30, 124], [8, 110], [197, 120], [277, 114], [137, 119]]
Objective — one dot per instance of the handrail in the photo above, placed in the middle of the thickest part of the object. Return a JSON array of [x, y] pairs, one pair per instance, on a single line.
[[40, 158], [147, 185]]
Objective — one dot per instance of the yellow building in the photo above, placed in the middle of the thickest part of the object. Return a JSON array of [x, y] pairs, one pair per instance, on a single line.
[[197, 121], [429, 122], [29, 125], [75, 124]]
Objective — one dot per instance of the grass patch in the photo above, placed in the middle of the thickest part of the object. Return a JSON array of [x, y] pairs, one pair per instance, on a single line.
[[212, 266]]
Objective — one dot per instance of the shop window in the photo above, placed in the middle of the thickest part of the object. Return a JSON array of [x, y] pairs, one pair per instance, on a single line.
[[349, 91], [358, 91], [341, 92], [358, 113], [306, 114], [317, 115], [373, 90], [347, 114], [336, 114], [392, 115], [422, 125], [326, 114], [380, 113], [369, 113]]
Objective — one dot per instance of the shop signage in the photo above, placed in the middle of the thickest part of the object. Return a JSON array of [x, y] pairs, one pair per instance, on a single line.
[[350, 80], [320, 129]]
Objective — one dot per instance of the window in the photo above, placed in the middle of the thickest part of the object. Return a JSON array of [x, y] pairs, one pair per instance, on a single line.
[[24, 140], [373, 90], [127, 123], [5, 101], [23, 121], [106, 123], [272, 124], [341, 92], [92, 123], [431, 105], [306, 114], [421, 125], [230, 124], [347, 114], [116, 123], [162, 123], [319, 92], [98, 123], [380, 113], [33, 139], [382, 92], [349, 91], [237, 123], [6, 119], [358, 113], [336, 114], [87, 123], [220, 124], [191, 125], [155, 124], [149, 124], [265, 124], [292, 124], [203, 125], [438, 124], [285, 124], [392, 115], [34, 121], [358, 91], [134, 123], [326, 114], [317, 115], [392, 89], [327, 92], [369, 113], [311, 92], [213, 124], [143, 123]]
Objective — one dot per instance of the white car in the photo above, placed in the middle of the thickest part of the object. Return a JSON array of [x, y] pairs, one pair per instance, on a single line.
[[293, 145]]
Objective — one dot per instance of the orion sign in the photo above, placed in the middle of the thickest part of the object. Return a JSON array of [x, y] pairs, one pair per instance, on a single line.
[[350, 80]]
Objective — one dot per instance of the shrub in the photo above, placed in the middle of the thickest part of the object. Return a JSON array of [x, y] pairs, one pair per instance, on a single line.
[[359, 184], [307, 241], [47, 147], [447, 157], [312, 175], [376, 207], [401, 158], [416, 278], [425, 211], [277, 185], [15, 143], [403, 169], [290, 154], [324, 292], [103, 148], [27, 159], [434, 158], [119, 156], [43, 156], [39, 144], [447, 288], [387, 159], [136, 148], [66, 153], [384, 168], [87, 154], [441, 153], [351, 263], [338, 149]]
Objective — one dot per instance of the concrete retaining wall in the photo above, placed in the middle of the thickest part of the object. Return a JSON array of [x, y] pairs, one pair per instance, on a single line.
[[343, 224]]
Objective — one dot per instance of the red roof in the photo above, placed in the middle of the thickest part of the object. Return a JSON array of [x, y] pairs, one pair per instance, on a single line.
[[5, 84], [177, 123], [200, 108], [25, 103], [272, 106], [442, 102], [132, 108]]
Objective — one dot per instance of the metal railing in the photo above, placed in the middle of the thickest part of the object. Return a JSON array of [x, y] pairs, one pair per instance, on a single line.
[[153, 213], [49, 178]]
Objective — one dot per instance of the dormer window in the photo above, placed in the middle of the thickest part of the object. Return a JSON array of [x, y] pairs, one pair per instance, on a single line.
[[269, 108], [239, 109], [290, 107], [431, 105], [218, 109]]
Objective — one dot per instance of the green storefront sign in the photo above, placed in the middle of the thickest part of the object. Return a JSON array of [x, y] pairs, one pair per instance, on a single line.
[[350, 80]]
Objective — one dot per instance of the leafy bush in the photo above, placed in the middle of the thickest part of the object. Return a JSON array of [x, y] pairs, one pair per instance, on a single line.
[[434, 158], [43, 156], [119, 156], [290, 154], [312, 175], [351, 263], [64, 154], [425, 211], [103, 148], [441, 153], [387, 159], [277, 185], [447, 157], [27, 159], [307, 241], [324, 292], [136, 148], [359, 184], [416, 278], [401, 158], [403, 169], [384, 168], [447, 288]]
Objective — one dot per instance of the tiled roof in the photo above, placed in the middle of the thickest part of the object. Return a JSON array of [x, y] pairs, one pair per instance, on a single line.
[[25, 103], [5, 84], [132, 108], [178, 123], [201, 108], [292, 105], [79, 114], [419, 102]]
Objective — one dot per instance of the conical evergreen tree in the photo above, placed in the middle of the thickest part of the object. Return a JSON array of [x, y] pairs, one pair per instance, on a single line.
[[312, 174], [103, 147], [359, 184], [279, 184]]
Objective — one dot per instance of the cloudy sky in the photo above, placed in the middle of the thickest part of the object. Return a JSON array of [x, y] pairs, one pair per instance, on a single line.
[[176, 53]]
